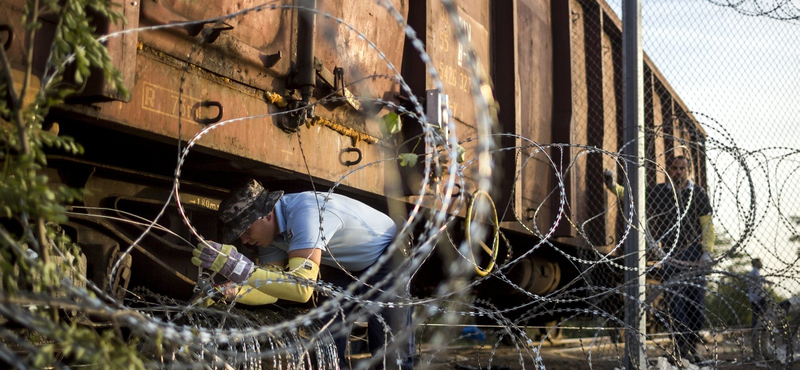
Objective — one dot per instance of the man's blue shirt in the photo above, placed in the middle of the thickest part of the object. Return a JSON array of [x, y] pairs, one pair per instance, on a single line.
[[351, 233]]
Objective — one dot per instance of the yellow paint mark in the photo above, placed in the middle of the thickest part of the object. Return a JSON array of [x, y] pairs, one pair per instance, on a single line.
[[167, 102], [149, 97]]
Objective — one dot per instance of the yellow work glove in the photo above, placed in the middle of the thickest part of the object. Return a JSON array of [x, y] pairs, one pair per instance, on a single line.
[[223, 258]]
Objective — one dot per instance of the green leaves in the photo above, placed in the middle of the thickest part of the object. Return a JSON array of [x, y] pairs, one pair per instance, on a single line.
[[24, 190], [461, 151], [392, 124], [408, 159], [85, 346], [76, 47], [37, 259]]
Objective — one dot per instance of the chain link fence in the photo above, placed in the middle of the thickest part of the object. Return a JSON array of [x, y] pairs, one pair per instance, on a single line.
[[718, 109], [720, 221]]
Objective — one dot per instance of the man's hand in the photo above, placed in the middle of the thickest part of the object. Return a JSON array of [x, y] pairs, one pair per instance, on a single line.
[[244, 294], [228, 290], [608, 176], [223, 258], [705, 259]]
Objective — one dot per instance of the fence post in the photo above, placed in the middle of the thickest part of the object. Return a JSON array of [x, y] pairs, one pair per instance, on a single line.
[[633, 121]]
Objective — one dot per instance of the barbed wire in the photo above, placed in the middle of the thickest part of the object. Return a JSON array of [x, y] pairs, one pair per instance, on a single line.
[[170, 333], [783, 10]]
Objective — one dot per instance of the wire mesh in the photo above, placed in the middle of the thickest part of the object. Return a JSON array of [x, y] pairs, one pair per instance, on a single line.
[[719, 107], [712, 95]]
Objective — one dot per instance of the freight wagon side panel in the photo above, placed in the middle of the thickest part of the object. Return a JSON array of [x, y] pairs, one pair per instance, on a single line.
[[183, 83], [597, 102], [587, 106], [535, 202], [256, 47], [450, 58], [158, 109], [338, 46]]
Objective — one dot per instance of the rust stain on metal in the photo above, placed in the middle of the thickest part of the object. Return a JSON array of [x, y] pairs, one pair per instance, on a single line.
[[339, 46], [254, 135], [237, 53]]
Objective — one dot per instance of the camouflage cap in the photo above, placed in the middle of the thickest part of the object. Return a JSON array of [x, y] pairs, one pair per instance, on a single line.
[[243, 206]]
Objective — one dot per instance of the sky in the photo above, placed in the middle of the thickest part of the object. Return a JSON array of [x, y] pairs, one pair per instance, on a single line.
[[741, 71]]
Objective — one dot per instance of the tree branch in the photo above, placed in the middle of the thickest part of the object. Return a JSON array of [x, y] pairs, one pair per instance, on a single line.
[[16, 109], [29, 46], [42, 231]]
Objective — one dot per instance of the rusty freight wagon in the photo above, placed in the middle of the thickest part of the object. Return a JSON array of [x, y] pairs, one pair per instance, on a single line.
[[301, 93]]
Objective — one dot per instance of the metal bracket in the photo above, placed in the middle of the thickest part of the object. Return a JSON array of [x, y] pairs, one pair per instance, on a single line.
[[270, 60], [529, 213], [338, 79], [434, 111], [335, 81], [207, 34], [301, 112]]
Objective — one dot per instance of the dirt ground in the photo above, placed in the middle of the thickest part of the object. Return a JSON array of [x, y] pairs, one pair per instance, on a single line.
[[506, 357], [572, 356], [719, 351]]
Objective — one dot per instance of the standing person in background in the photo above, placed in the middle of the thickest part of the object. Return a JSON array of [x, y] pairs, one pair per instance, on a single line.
[[679, 219], [756, 292], [302, 235]]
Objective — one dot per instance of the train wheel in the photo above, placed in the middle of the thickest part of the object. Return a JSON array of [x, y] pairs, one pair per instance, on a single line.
[[490, 221]]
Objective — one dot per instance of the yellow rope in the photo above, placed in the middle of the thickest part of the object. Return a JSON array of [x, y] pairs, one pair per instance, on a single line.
[[276, 99], [346, 131]]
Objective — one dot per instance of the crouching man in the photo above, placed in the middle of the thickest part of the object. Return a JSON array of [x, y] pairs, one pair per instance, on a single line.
[[303, 235]]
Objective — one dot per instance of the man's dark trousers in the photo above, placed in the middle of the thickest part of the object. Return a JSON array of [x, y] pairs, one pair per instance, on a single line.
[[686, 297], [398, 319]]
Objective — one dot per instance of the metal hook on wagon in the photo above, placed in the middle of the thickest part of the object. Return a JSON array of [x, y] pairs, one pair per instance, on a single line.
[[350, 150], [457, 192], [207, 104], [6, 28], [207, 34]]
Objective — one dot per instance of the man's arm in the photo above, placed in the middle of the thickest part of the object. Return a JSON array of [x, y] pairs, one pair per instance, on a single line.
[[708, 236], [303, 264], [311, 254], [246, 295], [225, 259], [612, 185], [254, 296]]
